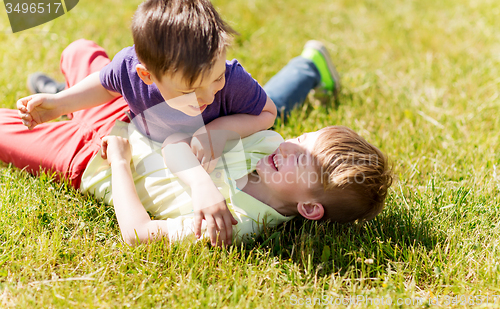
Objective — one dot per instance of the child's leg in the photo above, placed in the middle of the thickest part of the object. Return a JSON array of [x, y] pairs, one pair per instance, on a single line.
[[80, 59], [65, 146], [56, 146], [290, 86]]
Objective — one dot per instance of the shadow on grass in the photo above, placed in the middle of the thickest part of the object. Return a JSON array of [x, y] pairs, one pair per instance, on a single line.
[[363, 248]]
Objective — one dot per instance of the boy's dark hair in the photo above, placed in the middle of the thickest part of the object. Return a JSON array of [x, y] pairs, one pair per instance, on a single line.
[[179, 36], [355, 175]]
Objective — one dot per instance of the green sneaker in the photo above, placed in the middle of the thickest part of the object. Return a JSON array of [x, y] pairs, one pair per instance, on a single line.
[[317, 53]]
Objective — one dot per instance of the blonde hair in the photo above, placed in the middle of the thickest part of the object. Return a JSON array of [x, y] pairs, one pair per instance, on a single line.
[[354, 173]]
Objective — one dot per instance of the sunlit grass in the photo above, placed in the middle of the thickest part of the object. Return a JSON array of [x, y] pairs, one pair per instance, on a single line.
[[420, 80]]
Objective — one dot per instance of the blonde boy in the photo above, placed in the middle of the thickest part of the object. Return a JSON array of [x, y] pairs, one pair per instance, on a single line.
[[331, 174]]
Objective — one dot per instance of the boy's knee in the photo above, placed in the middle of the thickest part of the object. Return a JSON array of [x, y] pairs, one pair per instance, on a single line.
[[78, 45], [82, 54], [82, 47]]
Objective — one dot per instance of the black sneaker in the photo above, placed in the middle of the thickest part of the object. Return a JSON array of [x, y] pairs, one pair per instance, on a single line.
[[41, 83]]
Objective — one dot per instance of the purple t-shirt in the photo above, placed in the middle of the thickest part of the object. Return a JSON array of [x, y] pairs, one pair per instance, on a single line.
[[155, 118]]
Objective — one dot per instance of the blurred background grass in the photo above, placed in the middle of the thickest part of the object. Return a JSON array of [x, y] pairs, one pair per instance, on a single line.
[[420, 80]]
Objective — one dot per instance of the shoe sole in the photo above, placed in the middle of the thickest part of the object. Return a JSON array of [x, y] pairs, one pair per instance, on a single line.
[[317, 45]]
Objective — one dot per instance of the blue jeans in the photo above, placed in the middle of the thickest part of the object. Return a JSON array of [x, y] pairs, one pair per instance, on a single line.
[[290, 86]]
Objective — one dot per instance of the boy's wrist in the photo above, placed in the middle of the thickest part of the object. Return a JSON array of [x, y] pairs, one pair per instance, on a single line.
[[122, 162], [204, 181], [61, 106]]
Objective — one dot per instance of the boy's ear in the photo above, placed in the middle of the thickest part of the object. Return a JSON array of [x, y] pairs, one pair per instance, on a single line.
[[311, 210], [144, 74]]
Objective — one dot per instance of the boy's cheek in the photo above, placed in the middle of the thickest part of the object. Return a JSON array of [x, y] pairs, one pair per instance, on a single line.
[[223, 84], [177, 101]]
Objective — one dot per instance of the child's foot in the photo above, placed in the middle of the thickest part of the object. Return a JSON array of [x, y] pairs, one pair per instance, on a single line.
[[317, 53], [41, 83]]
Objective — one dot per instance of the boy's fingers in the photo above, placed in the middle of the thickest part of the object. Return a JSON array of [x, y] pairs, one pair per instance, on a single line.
[[32, 103], [229, 230], [197, 224], [22, 110], [210, 166], [21, 103], [221, 227], [104, 146], [233, 220], [212, 230], [25, 116], [207, 164], [28, 124], [105, 140], [32, 125], [203, 163], [199, 156]]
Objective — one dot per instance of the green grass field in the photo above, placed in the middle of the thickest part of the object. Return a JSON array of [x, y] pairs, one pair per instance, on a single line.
[[421, 80]]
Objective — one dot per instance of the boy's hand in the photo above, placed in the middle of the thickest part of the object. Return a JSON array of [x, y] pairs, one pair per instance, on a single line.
[[209, 204], [37, 109], [200, 145], [116, 149], [204, 146]]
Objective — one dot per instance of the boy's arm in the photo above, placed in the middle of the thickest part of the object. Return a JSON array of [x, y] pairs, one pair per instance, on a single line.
[[135, 224], [43, 107], [245, 124], [209, 147], [208, 202]]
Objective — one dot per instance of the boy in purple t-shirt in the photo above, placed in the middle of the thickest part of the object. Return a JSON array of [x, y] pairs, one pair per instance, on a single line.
[[177, 84]]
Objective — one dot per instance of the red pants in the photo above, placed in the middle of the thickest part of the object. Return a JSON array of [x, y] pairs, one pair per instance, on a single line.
[[64, 147]]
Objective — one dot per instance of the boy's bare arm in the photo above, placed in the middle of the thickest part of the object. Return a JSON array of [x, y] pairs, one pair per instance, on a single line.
[[43, 107], [208, 202], [135, 224], [245, 124], [208, 142]]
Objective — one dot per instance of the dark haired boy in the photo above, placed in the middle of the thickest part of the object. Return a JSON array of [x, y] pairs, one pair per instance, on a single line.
[[175, 79]]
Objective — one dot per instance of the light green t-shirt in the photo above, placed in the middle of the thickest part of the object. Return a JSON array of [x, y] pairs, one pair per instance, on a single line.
[[166, 197]]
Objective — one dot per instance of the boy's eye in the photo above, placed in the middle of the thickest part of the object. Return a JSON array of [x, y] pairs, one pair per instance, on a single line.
[[220, 78], [300, 159], [304, 159]]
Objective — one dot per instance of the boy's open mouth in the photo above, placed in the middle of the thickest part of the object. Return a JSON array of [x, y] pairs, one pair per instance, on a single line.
[[273, 161], [199, 108]]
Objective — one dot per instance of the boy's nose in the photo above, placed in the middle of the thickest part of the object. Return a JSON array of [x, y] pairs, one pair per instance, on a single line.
[[205, 97], [287, 148]]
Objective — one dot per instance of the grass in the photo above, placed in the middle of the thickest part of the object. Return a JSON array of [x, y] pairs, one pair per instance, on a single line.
[[420, 80]]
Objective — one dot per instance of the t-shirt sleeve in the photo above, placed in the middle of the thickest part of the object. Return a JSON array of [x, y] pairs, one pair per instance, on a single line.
[[243, 94], [115, 75]]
